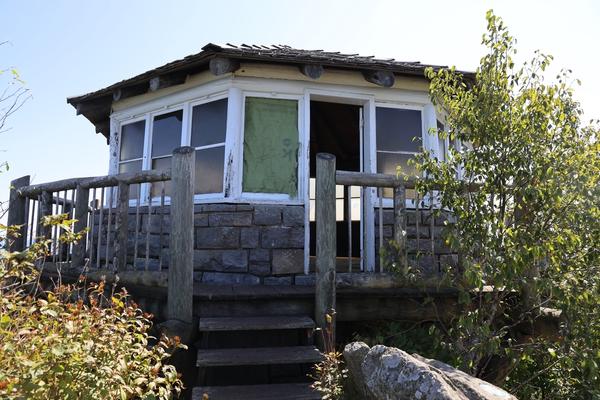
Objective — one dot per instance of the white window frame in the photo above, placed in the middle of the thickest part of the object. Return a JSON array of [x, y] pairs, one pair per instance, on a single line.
[[272, 197], [187, 140], [425, 140]]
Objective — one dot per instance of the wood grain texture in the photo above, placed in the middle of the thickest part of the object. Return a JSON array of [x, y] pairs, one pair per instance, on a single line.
[[280, 391], [17, 205], [255, 323], [181, 267], [400, 224], [258, 356], [325, 242], [82, 198]]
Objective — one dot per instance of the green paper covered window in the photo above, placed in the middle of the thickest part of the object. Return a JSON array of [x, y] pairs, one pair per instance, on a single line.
[[271, 146]]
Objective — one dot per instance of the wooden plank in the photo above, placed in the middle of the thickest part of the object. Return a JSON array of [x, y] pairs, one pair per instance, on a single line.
[[181, 268], [280, 391], [81, 215], [44, 211], [380, 78], [400, 224], [96, 182], [313, 71], [325, 242], [121, 226], [255, 323], [17, 205], [258, 356], [220, 65]]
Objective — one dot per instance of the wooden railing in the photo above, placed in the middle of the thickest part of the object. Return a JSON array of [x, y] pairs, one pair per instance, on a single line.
[[104, 207], [374, 205]]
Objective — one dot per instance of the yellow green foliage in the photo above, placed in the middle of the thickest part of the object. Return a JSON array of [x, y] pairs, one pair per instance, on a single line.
[[77, 341]]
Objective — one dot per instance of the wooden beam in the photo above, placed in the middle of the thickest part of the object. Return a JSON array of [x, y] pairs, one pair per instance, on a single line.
[[165, 81], [313, 71], [17, 212], [326, 248], [219, 65], [129, 91], [96, 182], [380, 78], [180, 298], [100, 106], [82, 198]]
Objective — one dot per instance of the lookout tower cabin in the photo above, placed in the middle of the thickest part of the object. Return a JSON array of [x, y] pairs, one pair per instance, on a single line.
[[254, 188]]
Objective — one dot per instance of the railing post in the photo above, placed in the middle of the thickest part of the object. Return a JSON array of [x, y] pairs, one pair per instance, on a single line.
[[122, 226], [326, 245], [45, 210], [400, 224], [82, 197], [181, 269], [17, 205]]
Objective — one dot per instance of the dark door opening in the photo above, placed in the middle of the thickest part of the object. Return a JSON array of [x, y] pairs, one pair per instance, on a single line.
[[336, 128]]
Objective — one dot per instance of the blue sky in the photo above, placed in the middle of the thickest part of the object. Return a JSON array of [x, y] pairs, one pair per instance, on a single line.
[[65, 48]]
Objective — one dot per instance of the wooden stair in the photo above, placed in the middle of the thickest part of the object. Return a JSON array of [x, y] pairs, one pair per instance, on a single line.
[[279, 391], [262, 355]]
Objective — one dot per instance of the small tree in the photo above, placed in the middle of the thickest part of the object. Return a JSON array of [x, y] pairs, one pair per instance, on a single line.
[[532, 225]]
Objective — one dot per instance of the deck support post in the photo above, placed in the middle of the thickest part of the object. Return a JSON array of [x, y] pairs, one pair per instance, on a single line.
[[180, 298], [82, 198], [400, 224], [17, 214], [326, 250]]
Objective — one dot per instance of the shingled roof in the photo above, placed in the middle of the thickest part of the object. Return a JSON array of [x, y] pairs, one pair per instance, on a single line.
[[96, 106]]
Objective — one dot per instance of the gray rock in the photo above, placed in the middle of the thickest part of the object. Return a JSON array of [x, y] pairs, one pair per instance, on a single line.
[[260, 268], [472, 387], [225, 278], [282, 238], [305, 280], [249, 238], [278, 280], [293, 216], [267, 215], [230, 219], [263, 255], [288, 261], [217, 238], [200, 219], [388, 373], [221, 260]]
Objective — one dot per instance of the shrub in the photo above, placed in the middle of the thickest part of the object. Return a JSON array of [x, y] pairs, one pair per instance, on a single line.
[[75, 341]]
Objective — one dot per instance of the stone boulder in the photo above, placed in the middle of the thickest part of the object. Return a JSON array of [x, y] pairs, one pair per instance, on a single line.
[[388, 373]]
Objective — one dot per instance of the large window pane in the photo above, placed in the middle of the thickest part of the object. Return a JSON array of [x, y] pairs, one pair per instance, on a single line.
[[131, 166], [161, 164], [132, 140], [209, 170], [271, 146], [387, 163], [166, 133], [209, 123], [398, 129]]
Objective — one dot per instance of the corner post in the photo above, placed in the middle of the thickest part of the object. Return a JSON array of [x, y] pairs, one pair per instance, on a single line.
[[180, 299], [326, 246], [17, 214], [82, 198], [400, 223]]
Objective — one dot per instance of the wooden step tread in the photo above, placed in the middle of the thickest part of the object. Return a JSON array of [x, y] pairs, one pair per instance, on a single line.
[[258, 356], [255, 323], [281, 391]]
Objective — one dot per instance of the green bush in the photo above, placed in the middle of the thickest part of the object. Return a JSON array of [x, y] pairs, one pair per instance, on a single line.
[[79, 341], [528, 228]]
